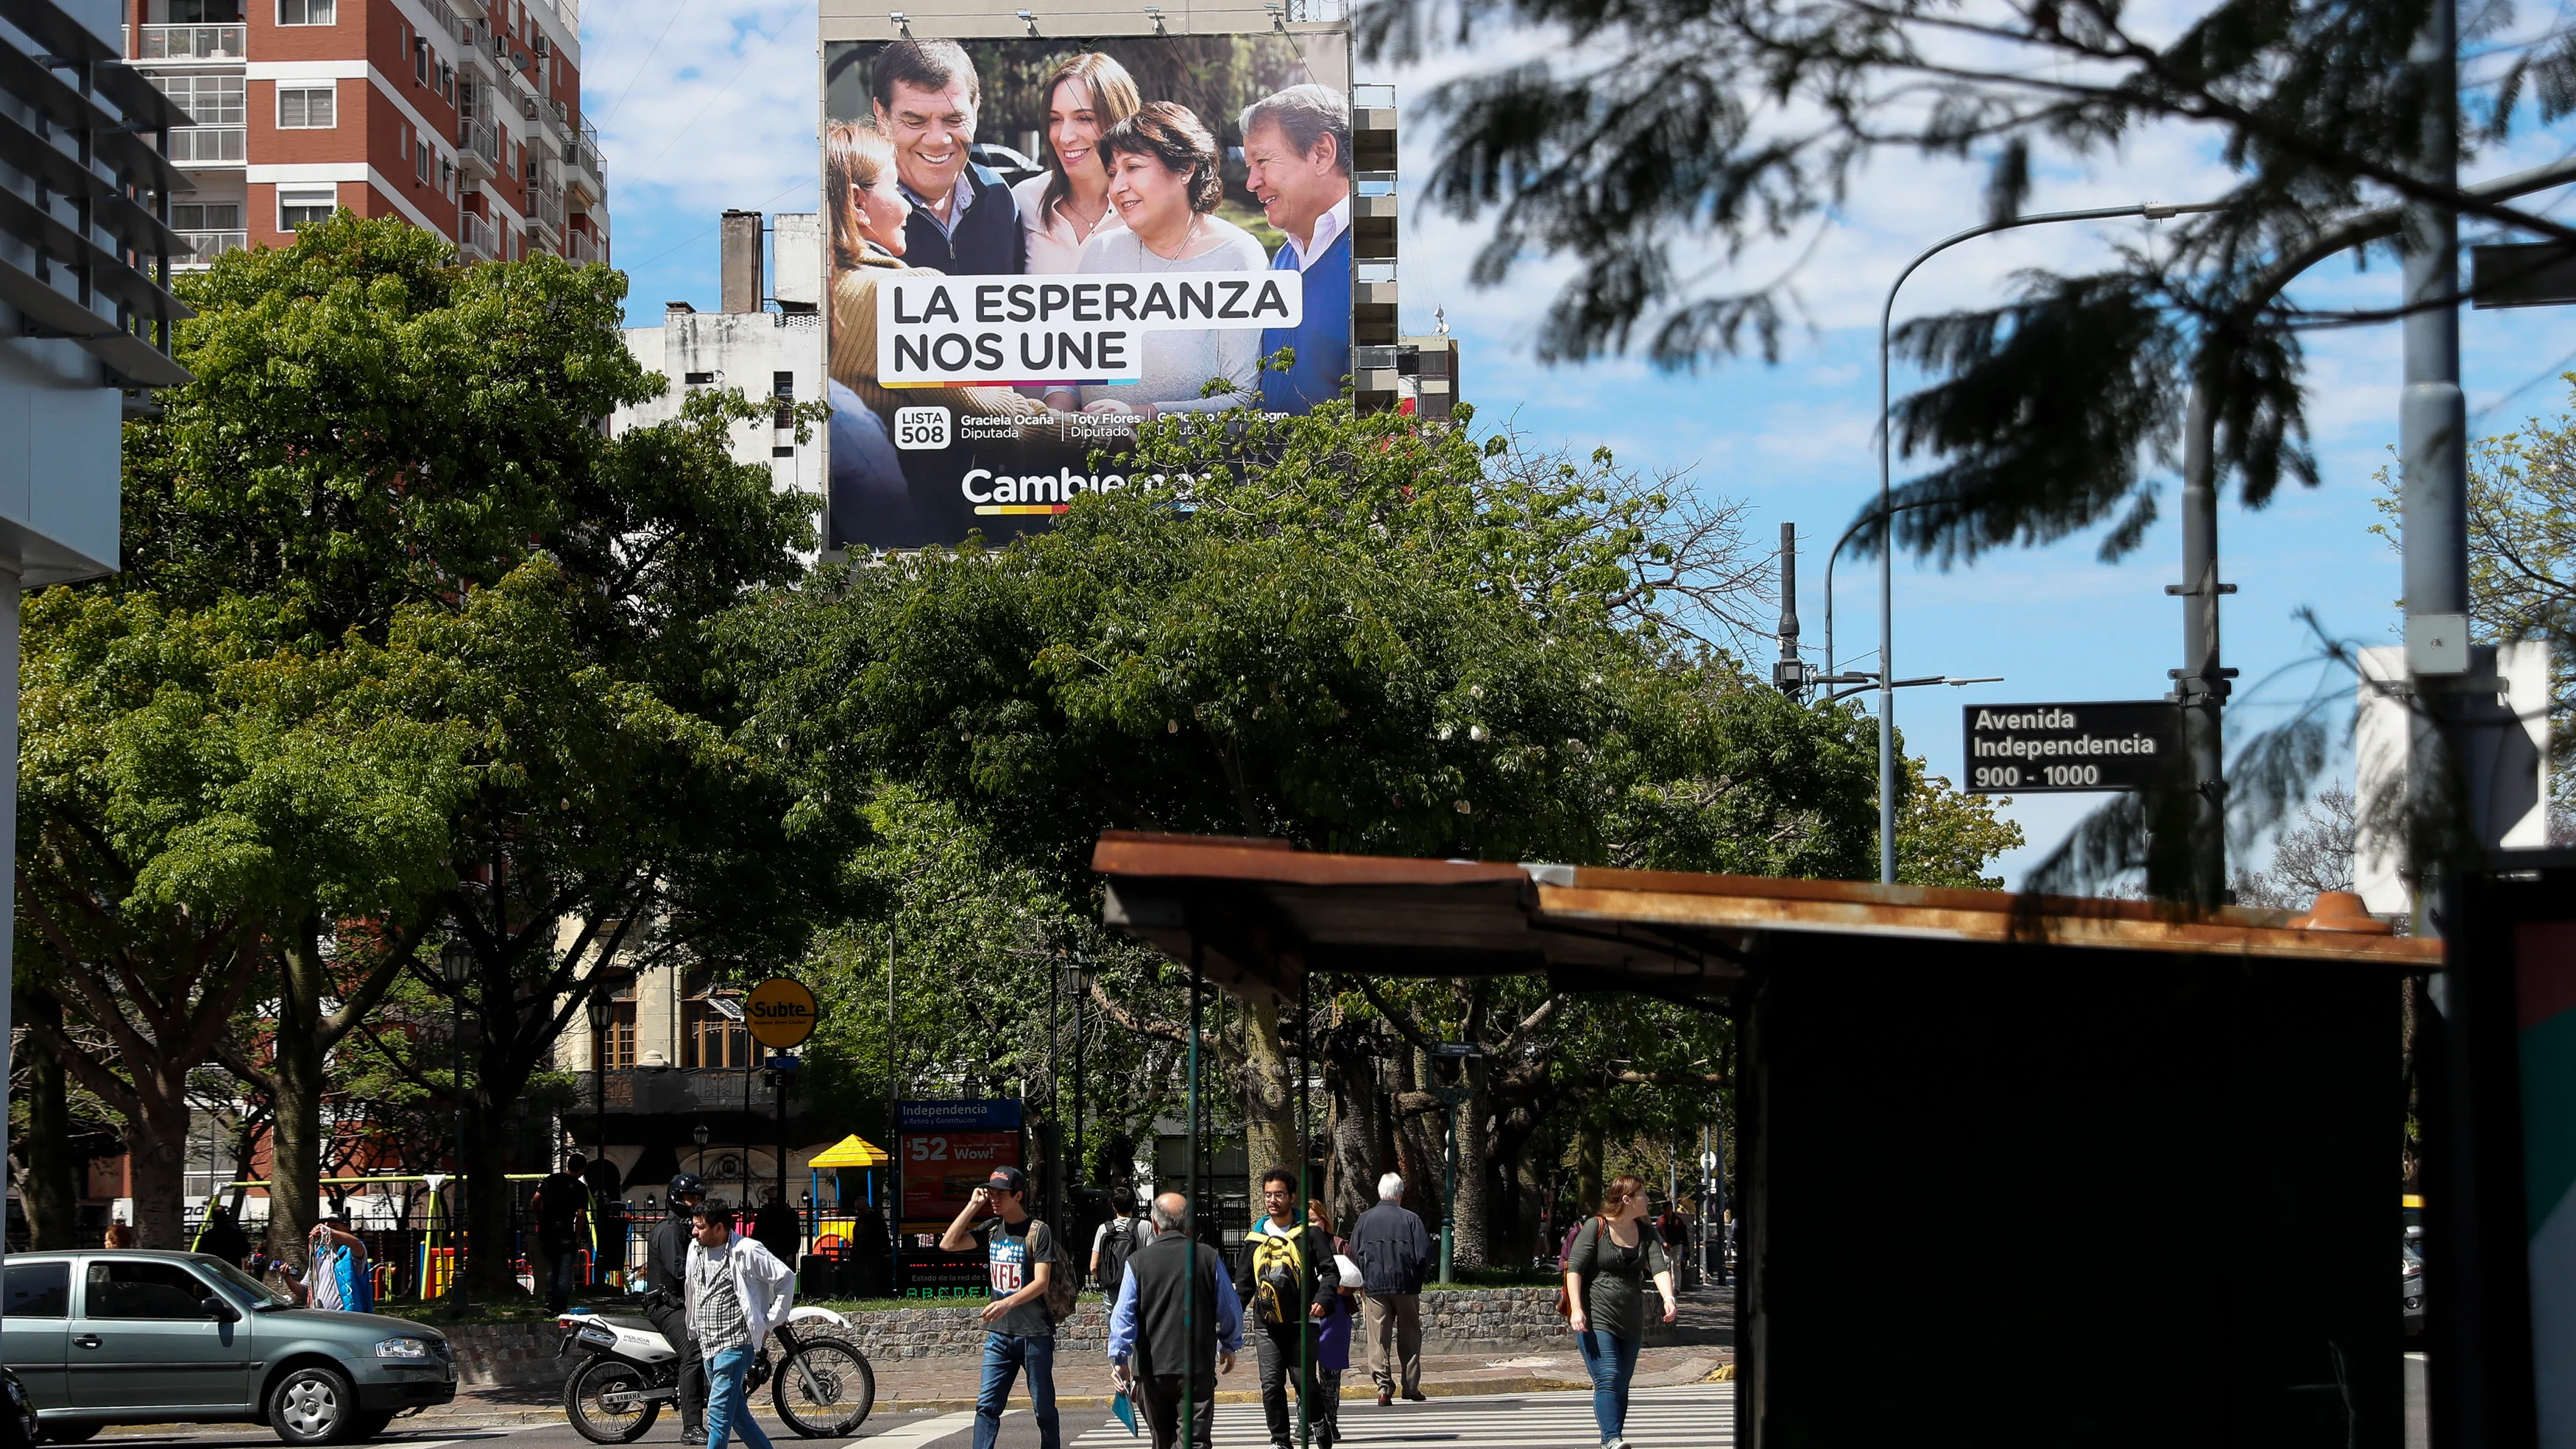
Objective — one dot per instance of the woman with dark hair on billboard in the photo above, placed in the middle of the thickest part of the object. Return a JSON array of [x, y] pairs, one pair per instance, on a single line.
[[871, 501], [1061, 208], [1163, 182]]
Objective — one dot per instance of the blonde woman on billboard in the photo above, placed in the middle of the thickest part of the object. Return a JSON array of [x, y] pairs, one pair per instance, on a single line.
[[869, 213], [1062, 208], [1163, 183], [873, 501]]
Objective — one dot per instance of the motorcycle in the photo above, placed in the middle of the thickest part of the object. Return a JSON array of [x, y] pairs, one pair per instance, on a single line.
[[821, 1386]]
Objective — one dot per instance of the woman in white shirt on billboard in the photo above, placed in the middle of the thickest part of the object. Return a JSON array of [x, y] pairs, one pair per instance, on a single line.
[[1066, 205], [1163, 183]]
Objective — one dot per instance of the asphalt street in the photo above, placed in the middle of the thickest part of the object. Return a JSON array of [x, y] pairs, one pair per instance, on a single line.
[[1693, 1416]]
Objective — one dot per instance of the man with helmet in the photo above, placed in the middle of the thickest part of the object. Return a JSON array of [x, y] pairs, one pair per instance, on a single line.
[[666, 1302]]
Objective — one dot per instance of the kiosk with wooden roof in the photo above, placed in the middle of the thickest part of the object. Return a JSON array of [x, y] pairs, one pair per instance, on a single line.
[[2012, 1170]]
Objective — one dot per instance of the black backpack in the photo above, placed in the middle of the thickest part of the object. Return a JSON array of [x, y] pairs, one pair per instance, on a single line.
[[1115, 1249]]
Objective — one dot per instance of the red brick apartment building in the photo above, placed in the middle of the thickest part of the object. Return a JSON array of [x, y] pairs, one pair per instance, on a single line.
[[463, 117]]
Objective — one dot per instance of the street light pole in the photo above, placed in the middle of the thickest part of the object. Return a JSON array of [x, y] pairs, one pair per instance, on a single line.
[[456, 965], [1887, 683]]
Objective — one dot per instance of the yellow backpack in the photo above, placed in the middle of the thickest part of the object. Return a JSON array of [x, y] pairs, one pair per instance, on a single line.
[[1279, 1275]]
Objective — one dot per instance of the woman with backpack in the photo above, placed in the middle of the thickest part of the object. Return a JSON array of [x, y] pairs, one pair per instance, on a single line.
[[1605, 1295]]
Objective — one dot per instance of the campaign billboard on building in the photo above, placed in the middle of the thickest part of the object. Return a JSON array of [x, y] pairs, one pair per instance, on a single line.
[[1036, 245]]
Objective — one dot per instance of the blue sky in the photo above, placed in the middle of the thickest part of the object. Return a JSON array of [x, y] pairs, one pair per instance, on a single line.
[[705, 105]]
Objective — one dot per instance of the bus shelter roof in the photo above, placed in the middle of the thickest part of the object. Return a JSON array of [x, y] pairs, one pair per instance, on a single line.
[[1262, 914]]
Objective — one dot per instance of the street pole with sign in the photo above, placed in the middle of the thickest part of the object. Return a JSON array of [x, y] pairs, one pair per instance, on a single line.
[[781, 1014], [1453, 1098]]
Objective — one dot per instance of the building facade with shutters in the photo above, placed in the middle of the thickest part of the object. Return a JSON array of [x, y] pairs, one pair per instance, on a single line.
[[463, 117]]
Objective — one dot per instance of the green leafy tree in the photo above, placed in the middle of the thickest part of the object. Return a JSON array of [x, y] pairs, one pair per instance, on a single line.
[[408, 655], [1358, 635]]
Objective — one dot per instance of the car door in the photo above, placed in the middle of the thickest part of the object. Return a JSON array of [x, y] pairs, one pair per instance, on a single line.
[[150, 1334], [35, 1327]]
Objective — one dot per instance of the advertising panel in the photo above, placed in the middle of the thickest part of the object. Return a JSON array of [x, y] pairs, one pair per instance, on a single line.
[[1037, 244], [946, 1149]]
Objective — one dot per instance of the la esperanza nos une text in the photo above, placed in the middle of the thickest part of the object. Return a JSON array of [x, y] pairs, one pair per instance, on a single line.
[[943, 331]]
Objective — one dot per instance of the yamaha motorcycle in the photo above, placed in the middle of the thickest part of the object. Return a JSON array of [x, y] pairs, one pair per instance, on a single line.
[[822, 1386]]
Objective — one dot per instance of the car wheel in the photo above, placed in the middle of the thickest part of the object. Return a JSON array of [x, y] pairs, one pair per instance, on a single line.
[[313, 1405]]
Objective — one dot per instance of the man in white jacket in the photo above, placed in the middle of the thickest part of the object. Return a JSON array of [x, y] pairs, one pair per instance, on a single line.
[[737, 1292]]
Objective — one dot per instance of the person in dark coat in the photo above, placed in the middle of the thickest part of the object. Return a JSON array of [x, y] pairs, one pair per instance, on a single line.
[[223, 1237], [666, 1302], [1393, 1250], [1176, 1325], [964, 222]]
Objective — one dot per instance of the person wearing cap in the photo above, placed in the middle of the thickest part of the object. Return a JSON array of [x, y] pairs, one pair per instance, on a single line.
[[1019, 1332], [340, 1279]]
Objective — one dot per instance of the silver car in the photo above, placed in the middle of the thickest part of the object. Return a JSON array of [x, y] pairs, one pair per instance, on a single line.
[[120, 1336]]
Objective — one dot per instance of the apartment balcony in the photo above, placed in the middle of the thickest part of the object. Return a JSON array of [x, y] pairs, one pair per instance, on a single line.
[[582, 170], [190, 42], [546, 210], [660, 1090], [478, 149], [581, 248], [196, 148], [476, 238], [205, 246]]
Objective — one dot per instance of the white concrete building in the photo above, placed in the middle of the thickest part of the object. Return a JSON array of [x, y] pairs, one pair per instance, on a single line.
[[767, 342]]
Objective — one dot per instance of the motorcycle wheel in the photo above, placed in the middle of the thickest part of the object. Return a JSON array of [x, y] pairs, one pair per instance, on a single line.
[[597, 1422], [825, 1388]]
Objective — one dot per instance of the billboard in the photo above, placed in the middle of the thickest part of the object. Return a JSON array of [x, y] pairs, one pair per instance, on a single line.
[[947, 1149], [1038, 244]]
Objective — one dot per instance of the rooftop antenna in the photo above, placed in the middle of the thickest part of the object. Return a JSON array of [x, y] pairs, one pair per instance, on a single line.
[[1440, 321]]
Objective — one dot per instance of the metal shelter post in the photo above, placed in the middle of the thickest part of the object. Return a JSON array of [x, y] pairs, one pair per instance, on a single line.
[[1190, 1284]]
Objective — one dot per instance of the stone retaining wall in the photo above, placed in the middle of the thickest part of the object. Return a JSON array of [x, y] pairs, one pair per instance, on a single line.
[[523, 1355], [508, 1355]]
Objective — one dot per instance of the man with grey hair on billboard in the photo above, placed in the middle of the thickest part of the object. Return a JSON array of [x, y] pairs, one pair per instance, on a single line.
[[925, 94], [1297, 153]]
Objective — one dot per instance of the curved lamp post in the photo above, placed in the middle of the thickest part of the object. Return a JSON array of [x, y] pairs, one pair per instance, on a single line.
[[1888, 683]]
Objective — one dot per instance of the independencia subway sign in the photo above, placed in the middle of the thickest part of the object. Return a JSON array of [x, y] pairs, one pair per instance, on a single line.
[[2024, 749]]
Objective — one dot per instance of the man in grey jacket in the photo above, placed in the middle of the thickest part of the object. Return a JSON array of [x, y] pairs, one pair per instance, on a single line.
[[1394, 1252]]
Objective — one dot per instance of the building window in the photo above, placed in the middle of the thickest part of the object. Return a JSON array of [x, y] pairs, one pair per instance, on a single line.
[[209, 100], [307, 108], [420, 60], [298, 205], [205, 216], [710, 1040], [420, 162], [614, 1047], [305, 12]]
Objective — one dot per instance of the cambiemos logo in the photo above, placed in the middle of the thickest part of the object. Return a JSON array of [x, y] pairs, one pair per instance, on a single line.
[[934, 330], [989, 493]]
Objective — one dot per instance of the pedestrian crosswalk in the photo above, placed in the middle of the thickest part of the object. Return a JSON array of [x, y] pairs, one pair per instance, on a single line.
[[1690, 1416]]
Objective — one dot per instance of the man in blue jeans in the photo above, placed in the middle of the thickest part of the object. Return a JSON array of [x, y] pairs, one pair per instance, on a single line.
[[738, 1292], [1020, 1333]]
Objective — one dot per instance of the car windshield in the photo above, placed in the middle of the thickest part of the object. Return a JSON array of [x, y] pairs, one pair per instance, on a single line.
[[245, 1287]]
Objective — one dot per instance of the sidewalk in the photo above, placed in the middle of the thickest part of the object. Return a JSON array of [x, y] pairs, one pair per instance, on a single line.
[[949, 1384]]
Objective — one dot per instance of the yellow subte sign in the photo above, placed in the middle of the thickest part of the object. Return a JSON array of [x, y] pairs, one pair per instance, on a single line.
[[780, 1013]]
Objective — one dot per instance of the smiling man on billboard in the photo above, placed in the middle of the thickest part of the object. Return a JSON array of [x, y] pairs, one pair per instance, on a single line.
[[925, 94], [1297, 156]]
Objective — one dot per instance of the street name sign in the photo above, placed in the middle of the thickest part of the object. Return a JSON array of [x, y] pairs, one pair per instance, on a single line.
[[2031, 749]]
